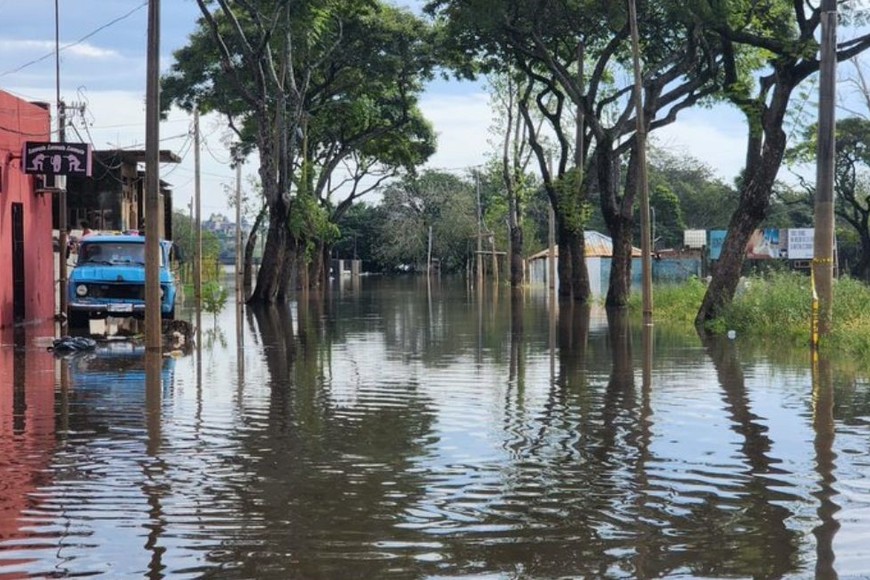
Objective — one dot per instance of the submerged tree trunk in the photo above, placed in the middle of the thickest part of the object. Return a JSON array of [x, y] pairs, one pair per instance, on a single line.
[[269, 277], [619, 217], [516, 258], [250, 245]]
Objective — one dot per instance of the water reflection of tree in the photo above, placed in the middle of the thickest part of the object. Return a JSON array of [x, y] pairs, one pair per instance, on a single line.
[[328, 483], [745, 533]]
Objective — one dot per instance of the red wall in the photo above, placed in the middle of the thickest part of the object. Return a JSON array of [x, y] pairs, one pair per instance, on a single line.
[[21, 121]]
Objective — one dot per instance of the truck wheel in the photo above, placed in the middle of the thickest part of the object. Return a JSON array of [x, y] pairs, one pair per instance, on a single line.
[[170, 315]]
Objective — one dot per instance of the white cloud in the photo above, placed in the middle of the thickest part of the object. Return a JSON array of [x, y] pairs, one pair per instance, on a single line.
[[462, 123], [45, 47], [704, 136]]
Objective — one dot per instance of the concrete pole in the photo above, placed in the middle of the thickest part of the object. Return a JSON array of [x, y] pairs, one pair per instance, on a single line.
[[823, 240], [153, 328], [643, 185]]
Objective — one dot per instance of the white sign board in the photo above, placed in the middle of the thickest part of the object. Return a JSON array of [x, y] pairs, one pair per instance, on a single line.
[[695, 238], [800, 243]]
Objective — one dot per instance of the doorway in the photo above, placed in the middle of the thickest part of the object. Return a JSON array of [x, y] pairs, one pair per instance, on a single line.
[[18, 294]]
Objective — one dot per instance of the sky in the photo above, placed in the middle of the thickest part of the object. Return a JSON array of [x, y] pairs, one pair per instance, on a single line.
[[103, 65]]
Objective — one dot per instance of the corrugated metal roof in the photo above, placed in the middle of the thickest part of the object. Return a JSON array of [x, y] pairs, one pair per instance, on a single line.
[[597, 245]]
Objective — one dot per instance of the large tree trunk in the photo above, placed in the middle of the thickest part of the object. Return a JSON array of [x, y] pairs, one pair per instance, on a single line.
[[762, 165], [516, 257], [269, 277], [619, 217], [573, 275], [250, 245], [862, 268], [619, 288]]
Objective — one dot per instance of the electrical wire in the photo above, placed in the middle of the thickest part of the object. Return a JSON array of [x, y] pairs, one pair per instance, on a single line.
[[77, 42]]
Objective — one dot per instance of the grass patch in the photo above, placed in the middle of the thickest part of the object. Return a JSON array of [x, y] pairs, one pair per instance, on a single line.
[[774, 306]]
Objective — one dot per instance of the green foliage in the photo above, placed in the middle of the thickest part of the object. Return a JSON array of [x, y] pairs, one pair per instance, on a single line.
[[184, 235], [675, 304], [309, 221], [574, 211], [214, 297], [778, 307], [442, 201], [705, 201]]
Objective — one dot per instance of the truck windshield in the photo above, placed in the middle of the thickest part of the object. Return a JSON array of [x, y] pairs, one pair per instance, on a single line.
[[115, 253]]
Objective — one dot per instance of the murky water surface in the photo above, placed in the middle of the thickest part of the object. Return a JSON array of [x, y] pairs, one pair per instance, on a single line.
[[387, 431]]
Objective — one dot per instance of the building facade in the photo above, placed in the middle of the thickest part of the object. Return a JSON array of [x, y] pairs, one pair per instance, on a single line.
[[27, 259]]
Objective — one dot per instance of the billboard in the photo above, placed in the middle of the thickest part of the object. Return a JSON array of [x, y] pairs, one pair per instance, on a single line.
[[770, 243]]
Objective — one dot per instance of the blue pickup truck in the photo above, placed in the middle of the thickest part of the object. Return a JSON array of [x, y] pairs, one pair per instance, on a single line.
[[109, 279]]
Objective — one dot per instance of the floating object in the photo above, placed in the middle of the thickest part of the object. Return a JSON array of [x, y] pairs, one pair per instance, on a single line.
[[73, 344], [732, 334]]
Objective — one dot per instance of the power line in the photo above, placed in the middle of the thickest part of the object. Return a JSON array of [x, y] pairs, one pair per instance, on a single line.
[[77, 42]]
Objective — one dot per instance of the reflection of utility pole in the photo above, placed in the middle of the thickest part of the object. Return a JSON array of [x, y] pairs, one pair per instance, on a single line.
[[823, 241]]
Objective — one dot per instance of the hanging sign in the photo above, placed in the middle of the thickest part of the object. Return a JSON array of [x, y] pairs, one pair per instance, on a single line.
[[57, 158]]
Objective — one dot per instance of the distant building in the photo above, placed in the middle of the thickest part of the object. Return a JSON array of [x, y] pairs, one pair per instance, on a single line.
[[599, 250], [113, 198]]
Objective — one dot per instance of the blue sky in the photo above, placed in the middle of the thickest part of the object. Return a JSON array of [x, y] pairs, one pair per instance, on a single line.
[[103, 65]]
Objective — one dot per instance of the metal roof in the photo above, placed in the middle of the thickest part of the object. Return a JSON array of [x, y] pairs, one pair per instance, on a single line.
[[597, 245]]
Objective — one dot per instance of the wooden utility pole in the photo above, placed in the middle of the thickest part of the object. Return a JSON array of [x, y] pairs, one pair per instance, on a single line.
[[823, 240], [197, 224], [62, 241], [642, 183], [153, 330]]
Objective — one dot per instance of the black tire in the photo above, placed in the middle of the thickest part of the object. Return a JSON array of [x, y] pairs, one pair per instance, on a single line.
[[170, 315], [79, 320]]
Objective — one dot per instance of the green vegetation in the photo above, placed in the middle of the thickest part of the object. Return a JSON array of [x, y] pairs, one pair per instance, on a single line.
[[773, 306], [214, 297]]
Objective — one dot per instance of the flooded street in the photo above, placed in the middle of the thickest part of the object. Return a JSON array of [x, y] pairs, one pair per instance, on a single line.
[[387, 431]]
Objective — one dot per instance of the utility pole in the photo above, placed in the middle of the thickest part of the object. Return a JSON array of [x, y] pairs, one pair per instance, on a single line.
[[240, 282], [60, 180], [197, 224], [479, 260], [551, 240], [153, 330], [823, 240], [643, 185]]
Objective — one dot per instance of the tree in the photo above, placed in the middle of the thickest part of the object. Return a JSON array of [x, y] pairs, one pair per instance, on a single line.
[[851, 180], [706, 202], [509, 93], [184, 234], [554, 43], [782, 36], [440, 201], [668, 223], [309, 85]]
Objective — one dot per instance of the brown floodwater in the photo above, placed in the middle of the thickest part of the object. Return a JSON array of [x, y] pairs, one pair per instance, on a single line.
[[395, 430]]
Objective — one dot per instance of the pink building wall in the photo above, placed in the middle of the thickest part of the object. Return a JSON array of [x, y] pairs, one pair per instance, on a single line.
[[22, 121]]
